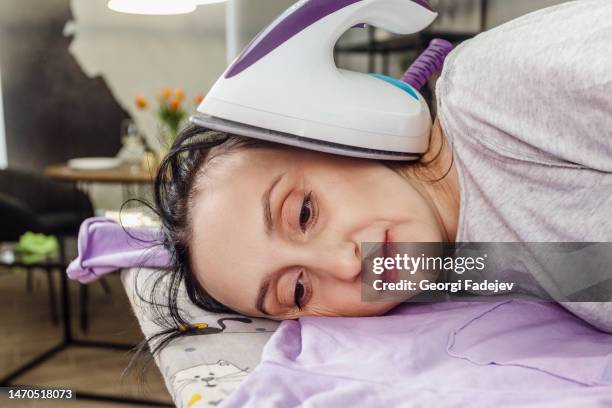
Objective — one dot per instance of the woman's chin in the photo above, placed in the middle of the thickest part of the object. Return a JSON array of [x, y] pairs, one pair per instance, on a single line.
[[379, 308]]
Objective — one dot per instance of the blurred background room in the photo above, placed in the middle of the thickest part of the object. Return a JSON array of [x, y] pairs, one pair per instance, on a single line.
[[90, 98]]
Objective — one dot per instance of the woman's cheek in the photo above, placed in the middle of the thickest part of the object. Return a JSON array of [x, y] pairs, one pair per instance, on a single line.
[[416, 231]]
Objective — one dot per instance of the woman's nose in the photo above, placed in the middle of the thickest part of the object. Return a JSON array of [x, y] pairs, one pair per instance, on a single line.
[[341, 261]]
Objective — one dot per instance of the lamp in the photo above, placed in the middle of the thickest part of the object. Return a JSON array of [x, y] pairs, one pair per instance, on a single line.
[[158, 7], [155, 7], [203, 2]]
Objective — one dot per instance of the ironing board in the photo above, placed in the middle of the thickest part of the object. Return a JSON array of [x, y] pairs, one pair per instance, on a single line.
[[201, 370], [198, 370]]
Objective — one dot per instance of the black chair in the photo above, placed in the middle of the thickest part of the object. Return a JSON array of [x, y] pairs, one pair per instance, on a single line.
[[32, 202], [40, 205]]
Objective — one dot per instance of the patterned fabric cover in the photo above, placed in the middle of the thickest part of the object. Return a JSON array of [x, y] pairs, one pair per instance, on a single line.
[[200, 371]]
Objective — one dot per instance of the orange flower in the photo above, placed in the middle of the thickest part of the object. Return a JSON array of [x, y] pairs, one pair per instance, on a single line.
[[174, 104], [198, 99], [166, 94], [141, 102], [179, 94]]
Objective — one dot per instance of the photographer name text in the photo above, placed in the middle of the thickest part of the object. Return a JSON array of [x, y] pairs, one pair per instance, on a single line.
[[425, 285]]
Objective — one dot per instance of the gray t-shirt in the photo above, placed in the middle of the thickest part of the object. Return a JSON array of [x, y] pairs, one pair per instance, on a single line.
[[527, 108]]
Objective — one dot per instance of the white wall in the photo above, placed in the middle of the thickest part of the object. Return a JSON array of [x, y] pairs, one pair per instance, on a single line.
[[140, 55], [3, 157], [245, 18]]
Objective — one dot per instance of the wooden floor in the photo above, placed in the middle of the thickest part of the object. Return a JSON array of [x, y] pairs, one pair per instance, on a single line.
[[26, 329]]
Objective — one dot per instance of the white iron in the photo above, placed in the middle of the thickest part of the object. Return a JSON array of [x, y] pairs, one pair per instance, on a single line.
[[285, 86]]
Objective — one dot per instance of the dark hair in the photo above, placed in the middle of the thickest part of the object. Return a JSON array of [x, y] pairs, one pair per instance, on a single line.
[[174, 192]]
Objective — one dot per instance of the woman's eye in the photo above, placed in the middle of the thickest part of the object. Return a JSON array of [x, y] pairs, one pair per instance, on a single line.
[[299, 293], [306, 212]]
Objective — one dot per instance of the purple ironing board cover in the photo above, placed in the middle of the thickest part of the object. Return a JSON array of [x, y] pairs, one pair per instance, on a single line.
[[105, 246], [508, 352]]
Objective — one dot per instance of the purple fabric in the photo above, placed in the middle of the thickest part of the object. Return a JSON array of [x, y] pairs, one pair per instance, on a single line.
[[477, 354], [104, 246]]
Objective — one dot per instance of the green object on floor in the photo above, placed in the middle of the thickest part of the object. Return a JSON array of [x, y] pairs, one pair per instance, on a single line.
[[36, 247]]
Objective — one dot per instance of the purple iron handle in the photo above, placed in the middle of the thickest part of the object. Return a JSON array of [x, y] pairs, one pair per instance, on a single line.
[[429, 62]]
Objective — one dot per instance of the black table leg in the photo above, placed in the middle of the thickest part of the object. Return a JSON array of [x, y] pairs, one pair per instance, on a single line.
[[7, 381], [66, 308], [52, 298], [83, 302], [28, 279], [69, 341], [105, 286]]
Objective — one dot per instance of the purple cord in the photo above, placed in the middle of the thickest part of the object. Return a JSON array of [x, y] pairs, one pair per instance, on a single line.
[[429, 62]]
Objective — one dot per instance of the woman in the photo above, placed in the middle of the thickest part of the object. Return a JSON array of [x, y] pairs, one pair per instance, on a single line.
[[521, 150]]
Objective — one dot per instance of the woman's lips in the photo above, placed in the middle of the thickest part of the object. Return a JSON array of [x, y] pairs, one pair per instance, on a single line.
[[389, 276]]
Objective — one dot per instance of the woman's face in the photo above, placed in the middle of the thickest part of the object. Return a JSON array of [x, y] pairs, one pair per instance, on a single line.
[[277, 232]]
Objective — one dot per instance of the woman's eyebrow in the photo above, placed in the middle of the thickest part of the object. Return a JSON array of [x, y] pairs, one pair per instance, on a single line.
[[265, 202], [261, 295], [269, 224]]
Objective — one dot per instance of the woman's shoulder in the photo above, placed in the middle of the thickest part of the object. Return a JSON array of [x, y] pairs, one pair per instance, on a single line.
[[537, 87]]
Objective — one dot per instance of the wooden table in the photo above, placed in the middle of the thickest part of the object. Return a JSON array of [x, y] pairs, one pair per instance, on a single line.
[[120, 175], [126, 176]]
